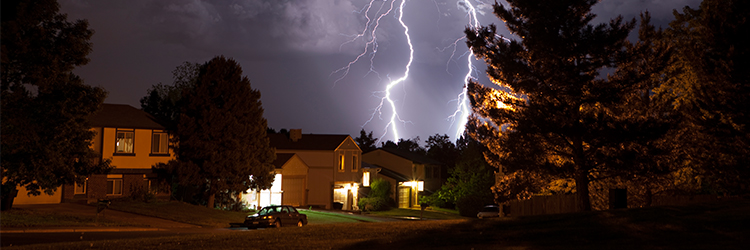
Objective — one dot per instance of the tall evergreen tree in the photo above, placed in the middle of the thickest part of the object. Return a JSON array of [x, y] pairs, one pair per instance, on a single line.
[[222, 132], [709, 82], [45, 107], [562, 117], [162, 99]]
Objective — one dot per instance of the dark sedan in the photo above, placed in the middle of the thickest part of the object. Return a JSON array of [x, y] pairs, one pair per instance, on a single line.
[[276, 216]]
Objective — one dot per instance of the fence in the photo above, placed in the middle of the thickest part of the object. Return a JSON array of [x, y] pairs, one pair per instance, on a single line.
[[553, 204]]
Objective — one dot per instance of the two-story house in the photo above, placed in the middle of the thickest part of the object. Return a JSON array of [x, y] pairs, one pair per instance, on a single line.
[[134, 142], [333, 169], [409, 172]]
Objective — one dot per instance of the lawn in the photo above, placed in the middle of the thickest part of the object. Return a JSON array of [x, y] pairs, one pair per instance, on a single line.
[[720, 225], [182, 212], [21, 218], [429, 214]]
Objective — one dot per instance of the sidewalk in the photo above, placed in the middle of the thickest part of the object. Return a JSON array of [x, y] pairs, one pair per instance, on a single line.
[[151, 223]]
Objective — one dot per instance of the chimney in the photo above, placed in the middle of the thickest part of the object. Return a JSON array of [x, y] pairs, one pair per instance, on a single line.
[[295, 134]]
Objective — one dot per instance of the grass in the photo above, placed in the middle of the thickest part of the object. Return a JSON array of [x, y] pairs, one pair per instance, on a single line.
[[21, 218], [182, 212], [315, 217], [721, 225], [431, 214]]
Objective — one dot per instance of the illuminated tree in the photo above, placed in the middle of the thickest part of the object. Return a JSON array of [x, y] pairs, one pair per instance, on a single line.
[[45, 107], [221, 133], [558, 115], [710, 86]]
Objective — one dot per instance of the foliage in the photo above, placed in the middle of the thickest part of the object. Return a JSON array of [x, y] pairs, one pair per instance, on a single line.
[[379, 197], [411, 145], [221, 134], [555, 115], [709, 86], [366, 142], [45, 107], [440, 148], [373, 204], [469, 185], [161, 100]]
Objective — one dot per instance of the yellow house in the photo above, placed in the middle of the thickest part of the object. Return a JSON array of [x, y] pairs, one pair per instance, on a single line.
[[134, 141], [409, 173], [333, 169]]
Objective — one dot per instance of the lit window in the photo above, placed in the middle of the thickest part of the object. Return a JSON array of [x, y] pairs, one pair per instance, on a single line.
[[160, 143], [114, 184], [355, 164], [366, 179], [80, 188], [342, 163], [124, 142]]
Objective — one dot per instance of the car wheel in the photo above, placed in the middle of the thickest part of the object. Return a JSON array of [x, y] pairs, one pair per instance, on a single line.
[[277, 224], [300, 224]]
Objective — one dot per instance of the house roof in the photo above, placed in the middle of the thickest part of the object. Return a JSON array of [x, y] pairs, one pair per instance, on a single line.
[[282, 158], [123, 116], [414, 157], [387, 172], [307, 142]]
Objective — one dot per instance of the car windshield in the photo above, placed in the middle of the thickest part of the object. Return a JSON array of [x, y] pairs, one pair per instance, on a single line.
[[269, 210], [490, 209]]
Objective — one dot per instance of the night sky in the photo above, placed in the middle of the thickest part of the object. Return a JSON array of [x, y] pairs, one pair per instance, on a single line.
[[290, 48]]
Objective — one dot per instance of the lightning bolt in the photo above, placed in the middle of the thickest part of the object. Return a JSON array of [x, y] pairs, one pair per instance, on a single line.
[[371, 47], [374, 14]]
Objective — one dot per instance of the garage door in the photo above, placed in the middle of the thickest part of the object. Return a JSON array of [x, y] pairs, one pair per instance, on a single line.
[[294, 191], [403, 197]]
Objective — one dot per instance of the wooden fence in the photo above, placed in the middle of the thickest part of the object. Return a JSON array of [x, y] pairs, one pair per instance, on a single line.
[[551, 204]]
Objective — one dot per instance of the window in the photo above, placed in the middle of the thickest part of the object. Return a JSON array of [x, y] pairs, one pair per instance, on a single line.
[[80, 188], [124, 142], [355, 164], [428, 172], [366, 179], [342, 163], [160, 143], [114, 184]]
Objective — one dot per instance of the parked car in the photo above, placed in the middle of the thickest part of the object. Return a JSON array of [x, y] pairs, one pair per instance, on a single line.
[[276, 216], [489, 211]]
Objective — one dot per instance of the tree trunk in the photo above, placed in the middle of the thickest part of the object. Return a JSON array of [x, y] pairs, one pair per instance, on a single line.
[[582, 192], [211, 200]]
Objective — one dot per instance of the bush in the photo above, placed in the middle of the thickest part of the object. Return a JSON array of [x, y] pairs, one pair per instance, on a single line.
[[373, 204], [470, 205]]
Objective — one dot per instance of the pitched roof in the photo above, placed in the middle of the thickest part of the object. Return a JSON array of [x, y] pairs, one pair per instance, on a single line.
[[387, 172], [282, 158], [307, 142], [414, 157], [123, 116]]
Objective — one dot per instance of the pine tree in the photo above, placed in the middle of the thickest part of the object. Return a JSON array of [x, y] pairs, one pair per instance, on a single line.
[[558, 115], [222, 132]]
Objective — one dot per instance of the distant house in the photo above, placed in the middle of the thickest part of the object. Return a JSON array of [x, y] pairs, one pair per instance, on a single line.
[[289, 186], [134, 141], [409, 173], [333, 163]]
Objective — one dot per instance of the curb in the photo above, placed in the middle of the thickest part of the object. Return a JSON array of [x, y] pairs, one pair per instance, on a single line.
[[79, 230]]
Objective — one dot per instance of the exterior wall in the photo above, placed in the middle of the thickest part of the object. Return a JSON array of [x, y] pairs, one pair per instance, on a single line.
[[23, 198], [294, 185], [390, 161], [142, 149], [319, 176]]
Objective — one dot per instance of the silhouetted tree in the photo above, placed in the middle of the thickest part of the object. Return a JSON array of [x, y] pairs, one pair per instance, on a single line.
[[222, 132], [440, 148], [161, 99], [45, 107], [366, 142], [560, 116], [411, 145]]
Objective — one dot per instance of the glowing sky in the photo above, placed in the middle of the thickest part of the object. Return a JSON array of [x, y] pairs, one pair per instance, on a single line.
[[289, 48]]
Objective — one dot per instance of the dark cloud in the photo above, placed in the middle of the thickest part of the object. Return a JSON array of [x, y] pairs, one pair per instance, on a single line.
[[289, 48]]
